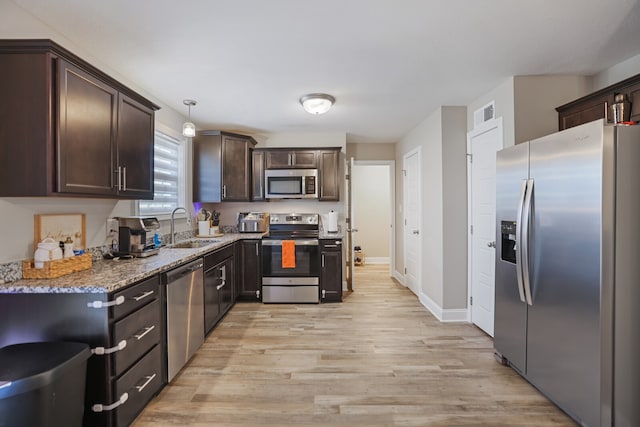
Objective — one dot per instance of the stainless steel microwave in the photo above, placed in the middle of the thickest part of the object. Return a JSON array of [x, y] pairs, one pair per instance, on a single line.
[[291, 183]]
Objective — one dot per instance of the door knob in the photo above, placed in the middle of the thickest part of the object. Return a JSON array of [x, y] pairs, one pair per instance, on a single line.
[[352, 230], [416, 231], [491, 244]]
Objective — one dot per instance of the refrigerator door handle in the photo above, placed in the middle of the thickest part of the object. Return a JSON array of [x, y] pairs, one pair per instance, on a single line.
[[524, 246], [519, 242]]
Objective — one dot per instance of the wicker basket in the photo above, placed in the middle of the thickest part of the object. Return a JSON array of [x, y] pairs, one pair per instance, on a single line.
[[57, 268]]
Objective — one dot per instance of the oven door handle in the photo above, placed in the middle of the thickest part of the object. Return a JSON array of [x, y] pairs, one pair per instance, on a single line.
[[310, 242]]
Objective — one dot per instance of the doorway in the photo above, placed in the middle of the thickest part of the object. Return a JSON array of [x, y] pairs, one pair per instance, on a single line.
[[373, 213]]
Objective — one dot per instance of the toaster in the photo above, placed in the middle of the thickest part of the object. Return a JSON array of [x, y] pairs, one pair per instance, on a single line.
[[253, 222]]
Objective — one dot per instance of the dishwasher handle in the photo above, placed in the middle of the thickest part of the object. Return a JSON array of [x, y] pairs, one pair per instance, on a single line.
[[183, 270]]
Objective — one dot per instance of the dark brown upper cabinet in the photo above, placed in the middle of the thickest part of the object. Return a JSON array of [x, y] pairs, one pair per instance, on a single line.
[[597, 105], [222, 167], [68, 129], [329, 181], [283, 158], [257, 175]]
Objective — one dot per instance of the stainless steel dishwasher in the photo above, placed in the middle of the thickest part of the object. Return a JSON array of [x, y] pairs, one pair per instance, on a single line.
[[185, 314]]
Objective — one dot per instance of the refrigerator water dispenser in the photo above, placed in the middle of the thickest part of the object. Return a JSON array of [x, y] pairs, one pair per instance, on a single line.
[[508, 232]]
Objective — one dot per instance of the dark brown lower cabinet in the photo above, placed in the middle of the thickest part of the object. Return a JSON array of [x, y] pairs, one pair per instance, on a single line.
[[219, 281], [330, 270], [249, 270], [124, 330]]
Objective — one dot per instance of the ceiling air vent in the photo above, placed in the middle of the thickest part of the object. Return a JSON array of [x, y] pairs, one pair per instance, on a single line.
[[484, 114]]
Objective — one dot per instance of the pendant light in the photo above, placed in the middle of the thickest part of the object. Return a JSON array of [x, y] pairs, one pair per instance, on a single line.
[[188, 128], [317, 103]]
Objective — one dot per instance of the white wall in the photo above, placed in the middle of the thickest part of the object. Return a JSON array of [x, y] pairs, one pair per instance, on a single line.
[[454, 207], [442, 138], [428, 135], [372, 209], [618, 72], [503, 95]]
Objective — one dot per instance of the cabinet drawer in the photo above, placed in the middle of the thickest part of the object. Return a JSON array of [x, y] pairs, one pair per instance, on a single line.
[[141, 331], [217, 256], [136, 296], [141, 382]]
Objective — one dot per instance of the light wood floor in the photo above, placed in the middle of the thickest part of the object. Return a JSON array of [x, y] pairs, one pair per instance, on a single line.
[[377, 359]]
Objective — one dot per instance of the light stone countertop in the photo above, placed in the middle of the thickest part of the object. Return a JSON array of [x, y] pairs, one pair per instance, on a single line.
[[110, 275]]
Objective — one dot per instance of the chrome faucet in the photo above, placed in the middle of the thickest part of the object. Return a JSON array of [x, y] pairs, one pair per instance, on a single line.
[[173, 222]]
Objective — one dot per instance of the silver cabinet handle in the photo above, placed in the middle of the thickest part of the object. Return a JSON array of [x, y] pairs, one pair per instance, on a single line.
[[257, 253], [146, 331], [258, 294], [491, 244], [322, 260], [124, 178], [519, 243], [524, 247], [352, 230], [324, 294], [148, 378], [224, 282], [224, 191], [143, 296], [101, 304], [99, 407], [101, 350], [119, 171]]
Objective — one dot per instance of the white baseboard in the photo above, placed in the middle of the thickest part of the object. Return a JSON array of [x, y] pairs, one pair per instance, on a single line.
[[376, 260], [399, 277], [444, 315]]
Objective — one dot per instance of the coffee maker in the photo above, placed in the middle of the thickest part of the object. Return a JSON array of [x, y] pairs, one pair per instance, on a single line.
[[132, 236]]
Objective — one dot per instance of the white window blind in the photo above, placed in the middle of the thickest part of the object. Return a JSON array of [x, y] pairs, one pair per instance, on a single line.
[[168, 177]]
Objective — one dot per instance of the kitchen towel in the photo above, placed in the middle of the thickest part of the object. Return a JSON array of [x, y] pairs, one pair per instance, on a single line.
[[288, 254], [332, 226]]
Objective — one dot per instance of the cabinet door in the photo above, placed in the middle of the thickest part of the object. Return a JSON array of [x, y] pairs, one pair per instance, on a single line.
[[329, 182], [212, 279], [135, 149], [87, 123], [584, 113], [278, 159], [331, 271], [257, 176], [207, 186], [227, 273], [249, 270], [236, 184], [304, 159]]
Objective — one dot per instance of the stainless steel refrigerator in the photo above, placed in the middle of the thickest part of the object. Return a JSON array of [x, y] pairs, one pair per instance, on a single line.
[[567, 307]]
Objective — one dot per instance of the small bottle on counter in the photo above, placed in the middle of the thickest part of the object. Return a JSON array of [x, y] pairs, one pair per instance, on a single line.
[[68, 248]]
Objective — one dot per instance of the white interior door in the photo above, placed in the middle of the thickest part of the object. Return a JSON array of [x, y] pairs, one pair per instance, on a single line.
[[412, 220], [482, 144]]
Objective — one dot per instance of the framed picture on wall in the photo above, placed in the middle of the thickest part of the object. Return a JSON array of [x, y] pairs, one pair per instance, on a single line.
[[59, 227]]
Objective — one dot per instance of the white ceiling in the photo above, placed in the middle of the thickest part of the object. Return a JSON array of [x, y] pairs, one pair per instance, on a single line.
[[389, 63]]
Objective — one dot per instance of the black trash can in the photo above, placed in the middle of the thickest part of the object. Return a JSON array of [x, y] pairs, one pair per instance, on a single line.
[[42, 384]]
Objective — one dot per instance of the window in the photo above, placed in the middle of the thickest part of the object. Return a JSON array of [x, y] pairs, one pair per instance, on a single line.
[[168, 171]]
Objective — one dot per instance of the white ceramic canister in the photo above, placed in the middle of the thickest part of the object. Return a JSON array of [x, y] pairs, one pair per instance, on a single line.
[[48, 250]]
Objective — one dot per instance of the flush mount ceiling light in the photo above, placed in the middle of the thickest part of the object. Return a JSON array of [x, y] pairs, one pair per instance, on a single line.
[[317, 103], [188, 128]]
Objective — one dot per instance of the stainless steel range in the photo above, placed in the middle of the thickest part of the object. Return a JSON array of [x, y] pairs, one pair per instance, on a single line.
[[291, 259]]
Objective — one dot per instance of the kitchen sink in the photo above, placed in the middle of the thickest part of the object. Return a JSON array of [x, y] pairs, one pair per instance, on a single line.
[[191, 244]]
